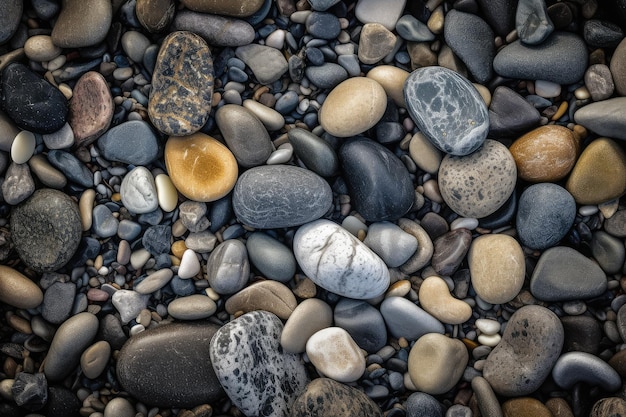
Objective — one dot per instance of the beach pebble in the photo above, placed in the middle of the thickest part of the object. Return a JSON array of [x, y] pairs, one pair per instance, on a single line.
[[266, 63], [425, 154], [138, 191], [525, 406], [322, 25], [608, 251], [271, 119], [82, 23], [608, 407], [71, 167], [142, 150], [155, 15], [225, 7], [95, 359], [17, 290], [189, 265], [91, 108], [18, 184], [228, 267], [129, 304], [604, 117], [385, 12], [405, 319], [271, 257], [216, 30], [411, 29], [58, 301], [119, 407], [363, 322], [192, 307], [327, 76], [375, 43], [193, 216], [316, 153], [532, 22], [325, 396], [421, 404], [23, 147], [510, 114], [450, 250], [425, 246], [157, 239], [574, 367], [435, 298], [618, 65], [154, 281], [10, 19], [310, 316], [335, 354], [267, 295], [40, 48], [391, 243], [599, 83], [392, 80]]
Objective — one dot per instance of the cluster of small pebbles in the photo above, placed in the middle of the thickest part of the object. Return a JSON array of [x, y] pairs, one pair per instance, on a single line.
[[292, 208]]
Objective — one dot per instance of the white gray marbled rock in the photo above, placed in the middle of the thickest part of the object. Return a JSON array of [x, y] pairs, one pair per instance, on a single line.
[[138, 191]]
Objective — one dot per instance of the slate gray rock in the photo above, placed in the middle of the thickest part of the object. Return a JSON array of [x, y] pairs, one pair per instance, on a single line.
[[363, 322], [405, 319], [510, 115], [602, 34], [71, 167], [18, 184], [450, 250], [304, 196], [616, 225], [271, 257], [420, 404], [391, 243], [576, 367], [30, 390], [58, 301], [316, 153], [532, 21], [267, 64], [228, 267], [133, 142], [251, 366], [46, 229], [216, 30], [608, 251], [157, 239], [605, 118], [599, 82], [326, 76], [499, 14], [170, 366], [10, 18], [323, 25], [379, 184], [411, 29], [104, 224]]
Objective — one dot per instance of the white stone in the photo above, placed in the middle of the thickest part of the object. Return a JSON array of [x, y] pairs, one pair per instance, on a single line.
[[469, 223], [385, 12], [336, 355], [547, 89], [487, 326], [129, 304], [166, 193], [337, 261], [192, 307], [353, 225], [271, 119], [138, 191], [489, 340], [23, 147], [276, 39], [189, 265]]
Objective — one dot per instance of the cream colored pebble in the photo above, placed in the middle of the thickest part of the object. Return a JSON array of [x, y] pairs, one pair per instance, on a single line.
[[85, 207], [166, 193], [435, 298]]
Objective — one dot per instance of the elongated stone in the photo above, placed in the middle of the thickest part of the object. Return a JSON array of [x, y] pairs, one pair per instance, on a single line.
[[91, 108]]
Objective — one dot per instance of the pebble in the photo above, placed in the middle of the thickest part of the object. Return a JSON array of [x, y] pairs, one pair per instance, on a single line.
[[271, 119], [304, 197], [216, 30], [375, 43], [421, 404], [392, 80], [95, 359], [563, 274], [425, 91], [91, 108], [322, 25], [391, 243], [61, 139], [316, 153], [411, 29], [574, 367], [225, 7], [17, 290], [119, 407], [57, 302], [180, 98], [424, 153], [40, 48], [531, 344], [271, 257], [616, 225], [510, 114], [310, 316], [325, 396], [532, 22], [352, 107], [343, 362], [271, 296], [604, 117], [327, 76], [82, 23], [10, 19], [138, 191], [164, 366], [266, 63], [406, 319], [71, 167], [435, 298], [23, 147], [425, 247], [200, 167], [364, 323], [142, 150], [602, 34], [245, 353], [336, 260], [192, 307], [525, 406], [618, 64], [608, 407], [129, 304], [189, 265], [450, 250], [608, 251], [228, 267], [599, 82], [155, 15], [501, 15], [385, 12]]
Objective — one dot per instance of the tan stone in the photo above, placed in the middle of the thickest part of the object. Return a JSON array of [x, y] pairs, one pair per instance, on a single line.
[[200, 167], [17, 290], [375, 43], [559, 407], [545, 154], [352, 107], [307, 318], [40, 48], [424, 153], [525, 407], [236, 8], [610, 406], [421, 55], [392, 80], [435, 298], [268, 295], [599, 174]]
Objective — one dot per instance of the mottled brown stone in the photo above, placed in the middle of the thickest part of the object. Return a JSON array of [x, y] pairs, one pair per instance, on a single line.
[[155, 15], [91, 108], [609, 407], [525, 407]]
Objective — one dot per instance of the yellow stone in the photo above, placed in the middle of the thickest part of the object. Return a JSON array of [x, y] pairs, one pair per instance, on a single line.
[[200, 167], [392, 80], [525, 407], [600, 173], [178, 248]]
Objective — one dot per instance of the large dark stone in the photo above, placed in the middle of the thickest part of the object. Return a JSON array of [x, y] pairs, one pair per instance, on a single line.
[[9, 18], [500, 14]]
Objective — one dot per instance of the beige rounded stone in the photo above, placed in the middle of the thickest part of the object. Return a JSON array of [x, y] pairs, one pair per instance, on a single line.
[[95, 359], [392, 80], [599, 174], [435, 298], [497, 267], [17, 290], [545, 154], [375, 42], [352, 107], [336, 355], [40, 48], [436, 363], [46, 173], [307, 318], [200, 167], [268, 295], [424, 153], [236, 8], [82, 23]]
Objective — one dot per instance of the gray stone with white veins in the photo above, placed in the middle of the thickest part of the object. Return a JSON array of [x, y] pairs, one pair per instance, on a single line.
[[447, 109], [258, 377], [138, 191]]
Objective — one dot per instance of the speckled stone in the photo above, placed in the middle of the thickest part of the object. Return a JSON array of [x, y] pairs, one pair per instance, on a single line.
[[256, 374], [447, 109], [336, 260], [182, 85], [611, 406], [138, 191], [326, 397], [82, 23], [477, 185], [91, 108]]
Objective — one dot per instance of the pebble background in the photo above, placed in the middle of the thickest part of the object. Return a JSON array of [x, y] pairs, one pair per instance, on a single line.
[[292, 208]]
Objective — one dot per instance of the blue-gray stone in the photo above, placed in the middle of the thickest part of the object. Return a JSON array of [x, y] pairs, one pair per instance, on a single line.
[[30, 391], [471, 39], [182, 287], [561, 59], [363, 322], [133, 142], [564, 274], [104, 224], [510, 115], [220, 213], [216, 30], [575, 367], [350, 63], [322, 5], [420, 404], [323, 25], [45, 9], [89, 248], [156, 239], [57, 302], [405, 319], [228, 268], [545, 214], [602, 34], [379, 184], [532, 21], [314, 56], [71, 167], [447, 109], [411, 29], [608, 251], [9, 18], [287, 103], [271, 257], [304, 196], [327, 75], [499, 14], [606, 117], [316, 154], [128, 230]]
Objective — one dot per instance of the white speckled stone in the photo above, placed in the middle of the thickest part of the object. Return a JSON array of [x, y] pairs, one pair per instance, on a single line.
[[336, 355], [256, 374], [337, 261], [138, 191]]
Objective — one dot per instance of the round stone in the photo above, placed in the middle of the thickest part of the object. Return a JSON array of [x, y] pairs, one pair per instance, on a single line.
[[327, 397], [364, 323], [317, 154], [604, 117], [392, 80], [477, 185], [391, 243], [138, 191], [17, 290], [95, 359], [375, 43], [155, 15], [200, 167], [91, 108], [23, 147], [425, 154], [271, 296], [143, 149], [192, 307], [272, 258], [40, 48], [216, 30], [335, 354]]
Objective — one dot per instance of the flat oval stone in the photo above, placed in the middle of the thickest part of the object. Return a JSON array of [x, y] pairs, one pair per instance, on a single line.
[[344, 362], [391, 243], [267, 295], [327, 397], [392, 80], [271, 257], [46, 229], [326, 76], [200, 167], [40, 48], [71, 167], [246, 354], [238, 8], [307, 318], [95, 359], [575, 367], [604, 117], [336, 260], [405, 319], [192, 307], [525, 406], [497, 267], [450, 250], [468, 184], [267, 64], [228, 268], [531, 344], [170, 365], [375, 43], [364, 323], [317, 154], [386, 13], [353, 106], [379, 183], [17, 290], [143, 149], [436, 363], [304, 197], [23, 147], [46, 173], [82, 23], [608, 251], [216, 30], [563, 274], [91, 108], [138, 191], [447, 109], [182, 85], [155, 15]]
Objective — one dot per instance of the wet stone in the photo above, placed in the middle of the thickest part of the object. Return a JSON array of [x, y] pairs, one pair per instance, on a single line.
[[363, 322], [143, 149], [532, 22], [324, 396]]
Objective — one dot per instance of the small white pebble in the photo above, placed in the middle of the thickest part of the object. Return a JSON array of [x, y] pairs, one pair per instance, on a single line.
[[489, 340], [487, 326], [23, 147]]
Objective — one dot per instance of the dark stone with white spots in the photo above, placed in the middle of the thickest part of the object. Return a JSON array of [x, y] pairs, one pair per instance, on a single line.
[[447, 109], [258, 377], [133, 142], [327, 397]]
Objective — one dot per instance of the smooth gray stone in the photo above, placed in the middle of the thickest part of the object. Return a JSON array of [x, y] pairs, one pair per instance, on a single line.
[[304, 196], [104, 224], [45, 9], [405, 319], [170, 366], [267, 64], [228, 267], [459, 410], [316, 153], [323, 25], [608, 251], [322, 5], [246, 354], [133, 142], [216, 30], [499, 14], [128, 230], [363, 322], [111, 331], [510, 115], [326, 76], [18, 184], [564, 274], [61, 139], [605, 118], [57, 302], [471, 39], [411, 29], [616, 225], [129, 304], [487, 401], [201, 242], [532, 21], [391, 243], [420, 404], [582, 334], [9, 18], [447, 109], [561, 59], [271, 257], [599, 82], [574, 367], [71, 167]]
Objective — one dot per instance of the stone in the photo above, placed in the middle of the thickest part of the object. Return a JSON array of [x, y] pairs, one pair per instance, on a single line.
[[611, 406], [608, 251], [436, 363], [616, 224], [561, 59], [510, 114], [497, 267], [602, 34], [30, 101], [155, 15], [386, 13], [170, 365], [154, 281], [138, 191], [304, 197], [531, 344], [95, 359], [46, 173], [375, 43], [391, 243], [245, 354], [559, 407], [618, 66], [228, 268], [119, 407], [322, 25], [271, 119], [129, 304], [23, 147], [316, 153], [447, 109], [599, 174], [563, 274], [40, 48], [450, 250], [200, 167], [244, 135], [525, 406], [82, 23], [91, 108], [8, 130], [61, 139], [58, 301], [325, 396], [71, 167], [18, 184], [500, 15], [271, 257], [267, 295], [192, 307], [225, 7], [10, 19], [353, 107], [310, 316], [344, 362], [189, 265], [392, 80], [30, 391], [575, 367], [192, 215], [46, 229], [182, 85], [363, 322], [420, 404], [68, 344], [326, 76], [216, 30], [424, 153], [267, 64], [599, 82], [406, 319], [143, 149], [336, 260], [532, 22], [604, 117], [17, 290], [435, 299]]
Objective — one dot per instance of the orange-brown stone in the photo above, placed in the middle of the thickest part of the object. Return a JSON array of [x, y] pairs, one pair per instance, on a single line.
[[525, 407]]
